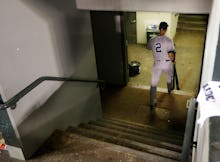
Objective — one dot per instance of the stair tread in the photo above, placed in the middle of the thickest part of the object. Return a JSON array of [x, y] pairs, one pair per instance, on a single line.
[[192, 17], [146, 134], [147, 139], [130, 136], [191, 28], [142, 127], [192, 22], [82, 148], [128, 143]]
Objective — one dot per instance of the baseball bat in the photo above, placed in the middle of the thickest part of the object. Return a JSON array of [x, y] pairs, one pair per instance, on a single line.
[[176, 77]]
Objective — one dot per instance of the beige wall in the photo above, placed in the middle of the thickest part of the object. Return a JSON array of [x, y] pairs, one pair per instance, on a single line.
[[144, 19]]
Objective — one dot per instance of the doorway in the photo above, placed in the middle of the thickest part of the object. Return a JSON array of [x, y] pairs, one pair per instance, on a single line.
[[110, 47], [131, 101], [188, 33], [130, 24]]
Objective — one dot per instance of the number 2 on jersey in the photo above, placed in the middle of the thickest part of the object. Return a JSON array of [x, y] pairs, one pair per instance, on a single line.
[[158, 47]]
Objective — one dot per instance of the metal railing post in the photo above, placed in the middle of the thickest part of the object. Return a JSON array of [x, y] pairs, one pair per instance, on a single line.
[[188, 131]]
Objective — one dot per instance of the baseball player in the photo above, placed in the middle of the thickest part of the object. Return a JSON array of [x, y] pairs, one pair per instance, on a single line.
[[161, 46]]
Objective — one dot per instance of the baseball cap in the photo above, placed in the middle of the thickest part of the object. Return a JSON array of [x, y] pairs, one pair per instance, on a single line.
[[163, 25]]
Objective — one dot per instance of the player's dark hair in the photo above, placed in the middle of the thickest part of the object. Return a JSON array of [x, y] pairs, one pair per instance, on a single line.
[[163, 25], [172, 51]]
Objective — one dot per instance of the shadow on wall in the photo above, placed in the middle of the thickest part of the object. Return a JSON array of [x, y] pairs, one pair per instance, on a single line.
[[68, 30], [71, 40], [64, 108]]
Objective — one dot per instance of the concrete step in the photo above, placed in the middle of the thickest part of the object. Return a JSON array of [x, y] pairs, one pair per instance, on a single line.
[[188, 26], [146, 134], [121, 140], [144, 128], [64, 146], [164, 145], [201, 23], [133, 137], [193, 17], [192, 22]]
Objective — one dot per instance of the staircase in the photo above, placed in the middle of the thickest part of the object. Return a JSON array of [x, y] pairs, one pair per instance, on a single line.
[[153, 143], [192, 22]]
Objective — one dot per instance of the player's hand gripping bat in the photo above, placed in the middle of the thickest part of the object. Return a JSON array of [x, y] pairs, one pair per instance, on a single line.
[[172, 55]]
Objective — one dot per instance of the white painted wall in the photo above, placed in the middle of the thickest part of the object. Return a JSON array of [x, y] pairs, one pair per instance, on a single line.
[[27, 52], [201, 153], [144, 19], [211, 43], [47, 38], [173, 25], [186, 6]]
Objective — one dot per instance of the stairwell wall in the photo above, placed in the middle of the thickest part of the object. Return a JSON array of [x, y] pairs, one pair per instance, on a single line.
[[46, 38], [186, 6]]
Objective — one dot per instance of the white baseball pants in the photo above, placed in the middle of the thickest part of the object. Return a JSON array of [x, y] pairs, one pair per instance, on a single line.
[[161, 66]]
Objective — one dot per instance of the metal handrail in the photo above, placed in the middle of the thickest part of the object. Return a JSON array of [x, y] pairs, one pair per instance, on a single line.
[[187, 141], [12, 102]]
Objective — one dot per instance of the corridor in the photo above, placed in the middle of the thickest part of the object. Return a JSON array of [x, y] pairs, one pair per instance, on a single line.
[[132, 102]]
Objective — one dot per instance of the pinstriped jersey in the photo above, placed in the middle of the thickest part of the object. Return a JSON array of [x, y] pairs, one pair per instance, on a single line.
[[160, 45]]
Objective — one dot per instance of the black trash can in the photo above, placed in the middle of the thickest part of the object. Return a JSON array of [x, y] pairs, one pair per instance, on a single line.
[[134, 68]]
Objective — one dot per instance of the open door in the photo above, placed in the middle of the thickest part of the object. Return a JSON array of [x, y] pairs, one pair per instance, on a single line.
[[110, 47], [130, 25]]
